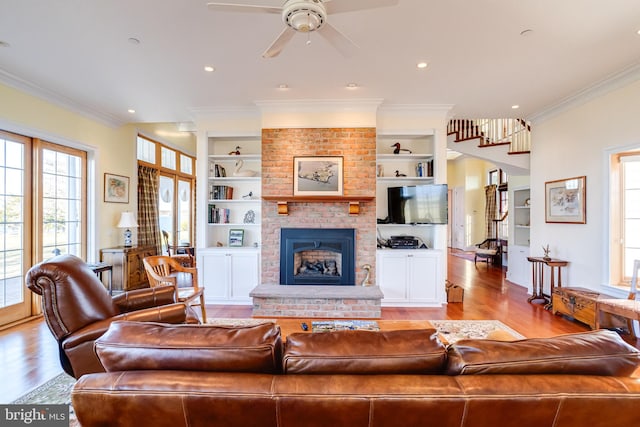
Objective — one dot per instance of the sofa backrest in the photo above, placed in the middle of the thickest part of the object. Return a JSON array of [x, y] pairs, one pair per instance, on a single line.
[[417, 351], [129, 346], [600, 352]]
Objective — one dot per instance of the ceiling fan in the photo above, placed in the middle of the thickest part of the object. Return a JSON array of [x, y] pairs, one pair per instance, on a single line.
[[306, 16]]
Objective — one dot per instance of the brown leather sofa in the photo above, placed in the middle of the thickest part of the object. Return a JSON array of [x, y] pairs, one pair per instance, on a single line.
[[165, 375], [78, 309]]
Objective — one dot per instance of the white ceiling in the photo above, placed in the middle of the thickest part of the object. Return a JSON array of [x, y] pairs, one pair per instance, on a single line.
[[77, 52]]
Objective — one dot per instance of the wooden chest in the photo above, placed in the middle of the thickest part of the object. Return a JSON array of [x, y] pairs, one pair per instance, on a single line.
[[578, 303]]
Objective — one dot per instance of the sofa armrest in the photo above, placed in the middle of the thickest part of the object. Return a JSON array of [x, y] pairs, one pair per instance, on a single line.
[[145, 298]]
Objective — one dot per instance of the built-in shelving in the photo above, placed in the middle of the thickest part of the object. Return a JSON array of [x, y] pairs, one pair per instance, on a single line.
[[227, 169]]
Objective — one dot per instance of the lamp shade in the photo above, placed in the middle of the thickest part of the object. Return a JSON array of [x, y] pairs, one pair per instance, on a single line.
[[127, 220]]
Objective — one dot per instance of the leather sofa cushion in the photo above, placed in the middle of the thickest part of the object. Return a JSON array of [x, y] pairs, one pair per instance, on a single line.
[[129, 346], [599, 352], [364, 352]]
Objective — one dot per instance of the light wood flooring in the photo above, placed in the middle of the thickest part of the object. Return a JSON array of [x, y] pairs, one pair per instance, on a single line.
[[29, 354]]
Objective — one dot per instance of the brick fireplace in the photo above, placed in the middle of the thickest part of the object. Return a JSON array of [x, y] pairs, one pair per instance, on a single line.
[[357, 146]]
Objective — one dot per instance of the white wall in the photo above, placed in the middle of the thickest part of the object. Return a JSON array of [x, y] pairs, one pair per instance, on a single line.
[[574, 143]]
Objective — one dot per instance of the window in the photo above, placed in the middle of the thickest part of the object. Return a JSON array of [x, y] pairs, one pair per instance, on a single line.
[[146, 150], [175, 187], [625, 215], [500, 179], [62, 197]]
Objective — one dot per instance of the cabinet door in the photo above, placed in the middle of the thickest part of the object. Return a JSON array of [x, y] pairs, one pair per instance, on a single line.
[[213, 268], [423, 277], [136, 276], [392, 272], [518, 269], [244, 274]]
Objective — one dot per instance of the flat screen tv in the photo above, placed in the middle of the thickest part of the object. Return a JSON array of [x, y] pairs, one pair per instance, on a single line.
[[418, 204]]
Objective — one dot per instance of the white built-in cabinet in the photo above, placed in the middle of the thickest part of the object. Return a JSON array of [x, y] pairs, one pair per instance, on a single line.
[[228, 274], [519, 269], [410, 276], [230, 268]]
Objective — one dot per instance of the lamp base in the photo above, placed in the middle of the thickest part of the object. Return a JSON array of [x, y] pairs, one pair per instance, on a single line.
[[127, 238]]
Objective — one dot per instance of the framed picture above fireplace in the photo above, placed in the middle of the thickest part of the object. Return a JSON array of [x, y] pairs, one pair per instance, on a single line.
[[317, 176]]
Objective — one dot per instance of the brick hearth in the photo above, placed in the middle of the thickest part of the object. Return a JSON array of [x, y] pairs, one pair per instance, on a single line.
[[361, 302]]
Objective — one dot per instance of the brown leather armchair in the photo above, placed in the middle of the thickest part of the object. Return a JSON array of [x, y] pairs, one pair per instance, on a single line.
[[78, 309]]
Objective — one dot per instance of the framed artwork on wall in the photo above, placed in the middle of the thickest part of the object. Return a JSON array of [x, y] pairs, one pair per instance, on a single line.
[[317, 176], [565, 200], [116, 188]]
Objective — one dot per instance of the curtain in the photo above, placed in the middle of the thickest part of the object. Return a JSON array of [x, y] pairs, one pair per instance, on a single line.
[[148, 227], [490, 210]]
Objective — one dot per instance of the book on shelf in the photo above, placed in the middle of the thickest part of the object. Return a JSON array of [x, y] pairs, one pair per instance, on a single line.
[[218, 215], [220, 192], [424, 169]]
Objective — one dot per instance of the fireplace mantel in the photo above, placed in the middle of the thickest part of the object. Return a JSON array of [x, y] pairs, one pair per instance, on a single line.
[[353, 201]]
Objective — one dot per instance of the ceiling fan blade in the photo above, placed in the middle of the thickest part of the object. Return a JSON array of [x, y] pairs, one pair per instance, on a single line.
[[341, 6], [338, 40], [232, 7], [279, 43]]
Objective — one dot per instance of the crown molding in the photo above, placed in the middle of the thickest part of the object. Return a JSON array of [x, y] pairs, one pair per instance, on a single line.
[[59, 100], [311, 105], [610, 83]]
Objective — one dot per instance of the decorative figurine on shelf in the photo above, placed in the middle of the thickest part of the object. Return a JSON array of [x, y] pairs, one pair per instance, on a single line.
[[236, 152], [547, 251], [248, 196], [400, 174], [397, 150], [246, 172], [250, 217], [365, 281]]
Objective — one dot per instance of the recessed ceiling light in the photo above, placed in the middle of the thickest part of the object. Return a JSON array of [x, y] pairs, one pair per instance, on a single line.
[[525, 33], [209, 69], [638, 31], [4, 44], [131, 110], [352, 85], [133, 40], [515, 107], [422, 65], [283, 86]]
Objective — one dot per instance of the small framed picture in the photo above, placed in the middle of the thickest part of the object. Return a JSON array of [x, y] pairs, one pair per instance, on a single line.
[[236, 237], [565, 200], [116, 188], [317, 176]]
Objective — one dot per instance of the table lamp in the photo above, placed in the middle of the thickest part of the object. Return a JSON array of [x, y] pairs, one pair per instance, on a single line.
[[127, 221]]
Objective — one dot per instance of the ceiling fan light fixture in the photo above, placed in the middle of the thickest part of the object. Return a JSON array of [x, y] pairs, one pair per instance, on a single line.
[[304, 15]]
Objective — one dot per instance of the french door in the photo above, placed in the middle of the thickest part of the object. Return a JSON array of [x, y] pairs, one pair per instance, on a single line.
[[15, 223], [43, 213]]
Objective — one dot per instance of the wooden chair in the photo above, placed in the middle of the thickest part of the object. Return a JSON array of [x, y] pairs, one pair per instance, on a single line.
[[628, 308], [488, 250], [165, 270], [183, 254]]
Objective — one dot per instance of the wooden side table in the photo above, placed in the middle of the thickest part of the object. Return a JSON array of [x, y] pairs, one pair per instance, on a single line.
[[538, 264], [100, 268]]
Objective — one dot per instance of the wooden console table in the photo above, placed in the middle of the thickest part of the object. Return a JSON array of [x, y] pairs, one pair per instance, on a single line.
[[538, 278]]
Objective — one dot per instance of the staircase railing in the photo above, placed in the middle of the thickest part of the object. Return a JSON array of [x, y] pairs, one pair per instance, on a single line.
[[515, 132]]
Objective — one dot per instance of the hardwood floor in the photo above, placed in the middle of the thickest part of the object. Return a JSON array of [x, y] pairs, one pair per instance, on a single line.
[[29, 354]]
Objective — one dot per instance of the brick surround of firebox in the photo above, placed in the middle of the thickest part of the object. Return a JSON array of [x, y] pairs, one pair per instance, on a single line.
[[357, 146]]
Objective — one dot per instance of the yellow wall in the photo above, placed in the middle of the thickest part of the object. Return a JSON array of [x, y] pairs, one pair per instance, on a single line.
[[111, 149], [471, 175]]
